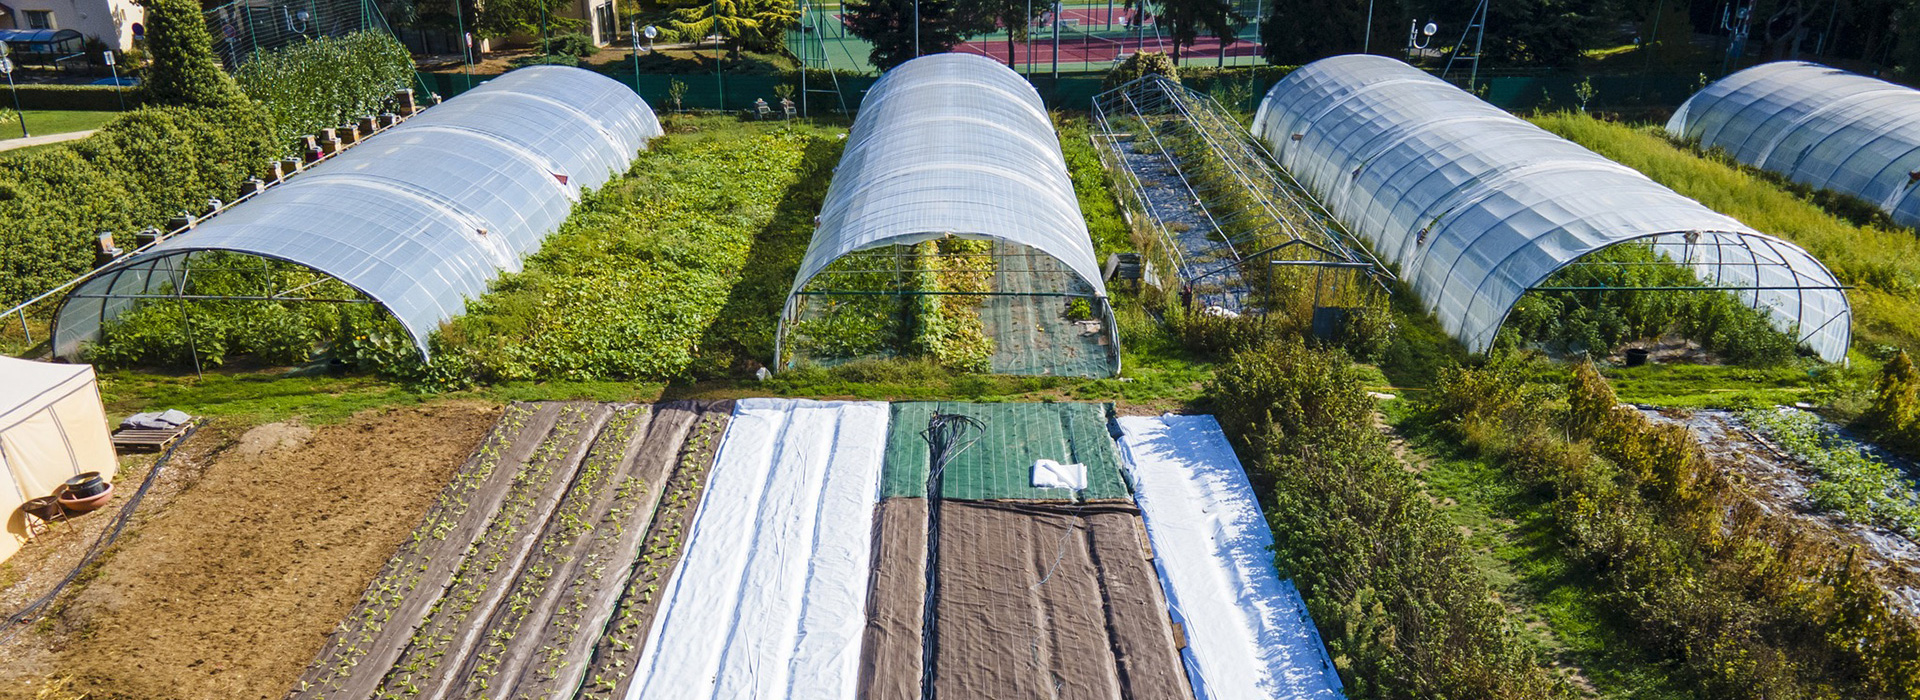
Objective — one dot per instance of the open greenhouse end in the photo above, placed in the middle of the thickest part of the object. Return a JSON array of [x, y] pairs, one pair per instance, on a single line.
[[1478, 207], [418, 219], [951, 230]]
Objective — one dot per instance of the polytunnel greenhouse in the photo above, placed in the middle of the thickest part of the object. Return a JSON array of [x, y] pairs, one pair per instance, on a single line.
[[1478, 207], [418, 219], [1818, 126], [951, 231]]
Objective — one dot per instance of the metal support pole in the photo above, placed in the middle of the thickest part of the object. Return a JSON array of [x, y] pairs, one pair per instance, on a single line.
[[1366, 44], [916, 28], [1058, 6], [7, 63], [633, 28]]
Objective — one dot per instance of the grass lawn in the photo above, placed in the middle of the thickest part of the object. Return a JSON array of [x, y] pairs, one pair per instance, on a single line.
[[46, 122]]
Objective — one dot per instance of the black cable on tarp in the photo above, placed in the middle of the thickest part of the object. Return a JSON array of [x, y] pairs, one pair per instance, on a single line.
[[34, 610], [947, 435]]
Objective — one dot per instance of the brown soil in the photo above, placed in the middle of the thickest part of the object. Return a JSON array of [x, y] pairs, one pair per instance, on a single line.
[[227, 589], [1027, 609], [890, 652]]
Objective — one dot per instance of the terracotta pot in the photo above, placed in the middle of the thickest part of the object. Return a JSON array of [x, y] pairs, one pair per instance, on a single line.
[[86, 504]]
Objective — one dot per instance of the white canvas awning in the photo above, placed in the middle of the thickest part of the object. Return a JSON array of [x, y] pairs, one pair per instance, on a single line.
[[51, 427]]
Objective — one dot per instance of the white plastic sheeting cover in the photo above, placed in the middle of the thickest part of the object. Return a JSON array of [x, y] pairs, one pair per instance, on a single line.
[[770, 599], [422, 217], [1248, 633], [1819, 126], [952, 144], [1476, 205]]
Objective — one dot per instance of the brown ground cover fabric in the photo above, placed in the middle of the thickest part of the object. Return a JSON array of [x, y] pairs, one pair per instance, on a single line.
[[230, 590], [890, 654], [1025, 611]]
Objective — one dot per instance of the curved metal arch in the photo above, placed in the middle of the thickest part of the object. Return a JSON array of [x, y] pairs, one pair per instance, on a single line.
[[1504, 215]]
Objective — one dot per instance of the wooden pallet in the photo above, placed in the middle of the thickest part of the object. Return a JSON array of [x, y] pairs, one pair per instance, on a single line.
[[147, 439]]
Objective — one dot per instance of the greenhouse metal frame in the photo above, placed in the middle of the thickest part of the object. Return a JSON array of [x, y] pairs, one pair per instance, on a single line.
[[1818, 126], [419, 219], [1218, 206], [950, 146], [1478, 207]]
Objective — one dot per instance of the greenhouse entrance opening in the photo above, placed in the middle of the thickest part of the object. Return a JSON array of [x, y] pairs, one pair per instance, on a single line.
[[976, 305], [1234, 234]]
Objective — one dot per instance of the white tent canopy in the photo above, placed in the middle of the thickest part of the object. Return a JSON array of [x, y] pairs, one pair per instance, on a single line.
[[51, 427], [1477, 206]]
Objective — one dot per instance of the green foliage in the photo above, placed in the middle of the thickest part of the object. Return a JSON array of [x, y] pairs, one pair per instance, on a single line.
[[889, 26], [326, 82], [1139, 65], [574, 44], [499, 18], [1745, 603], [1387, 579], [1852, 483], [91, 98], [760, 25], [184, 70], [1894, 416], [133, 173], [1091, 184], [204, 333], [677, 269], [1599, 321], [1885, 263], [1079, 310]]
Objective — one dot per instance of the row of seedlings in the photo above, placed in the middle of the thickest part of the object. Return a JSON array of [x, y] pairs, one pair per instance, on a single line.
[[566, 647], [610, 673], [367, 642], [429, 667]]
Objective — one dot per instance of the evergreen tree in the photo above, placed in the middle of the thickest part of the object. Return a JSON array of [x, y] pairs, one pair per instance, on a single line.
[[760, 25], [184, 71], [1894, 416], [888, 25]]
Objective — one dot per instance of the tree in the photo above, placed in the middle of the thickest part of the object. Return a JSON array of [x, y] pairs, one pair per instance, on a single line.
[[1302, 32], [888, 25], [497, 18], [184, 71], [760, 25], [1015, 16], [1186, 19], [1894, 415]]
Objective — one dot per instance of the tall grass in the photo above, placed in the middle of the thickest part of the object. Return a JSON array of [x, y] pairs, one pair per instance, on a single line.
[[1884, 263]]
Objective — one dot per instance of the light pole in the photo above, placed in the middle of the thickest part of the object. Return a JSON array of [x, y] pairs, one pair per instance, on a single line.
[[6, 66], [1057, 7], [1366, 44], [1415, 33], [633, 30], [916, 28]]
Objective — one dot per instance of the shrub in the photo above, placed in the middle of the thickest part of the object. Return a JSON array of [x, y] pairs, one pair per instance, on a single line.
[[137, 171], [184, 71], [325, 82], [1140, 65], [1388, 580], [91, 98], [1894, 416], [573, 44]]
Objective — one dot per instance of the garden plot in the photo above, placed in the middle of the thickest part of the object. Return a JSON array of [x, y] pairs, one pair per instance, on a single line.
[[769, 600], [1248, 632], [508, 586], [1784, 483]]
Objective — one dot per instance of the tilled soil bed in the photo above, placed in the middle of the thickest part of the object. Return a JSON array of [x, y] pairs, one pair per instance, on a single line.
[[230, 586]]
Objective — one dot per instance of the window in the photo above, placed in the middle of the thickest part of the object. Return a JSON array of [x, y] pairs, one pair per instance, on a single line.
[[609, 30], [39, 19]]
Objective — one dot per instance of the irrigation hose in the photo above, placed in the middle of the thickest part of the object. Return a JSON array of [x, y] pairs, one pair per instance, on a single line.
[[36, 609]]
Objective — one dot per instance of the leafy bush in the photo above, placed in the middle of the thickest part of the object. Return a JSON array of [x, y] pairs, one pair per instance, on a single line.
[[573, 44], [134, 173], [1744, 603], [1894, 416], [1852, 483], [1388, 580], [1139, 65], [184, 71], [326, 82], [90, 98]]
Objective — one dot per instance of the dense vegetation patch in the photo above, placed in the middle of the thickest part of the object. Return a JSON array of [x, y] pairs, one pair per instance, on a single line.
[[326, 82], [677, 269], [1885, 263], [1389, 583], [1745, 603]]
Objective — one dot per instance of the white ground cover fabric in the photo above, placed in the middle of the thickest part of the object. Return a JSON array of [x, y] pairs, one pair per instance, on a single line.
[[1248, 633], [770, 599]]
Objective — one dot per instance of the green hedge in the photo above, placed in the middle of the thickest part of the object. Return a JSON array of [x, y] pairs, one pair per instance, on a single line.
[[326, 82], [91, 98], [137, 171]]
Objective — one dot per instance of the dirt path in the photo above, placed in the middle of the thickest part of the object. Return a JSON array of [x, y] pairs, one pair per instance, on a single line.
[[231, 588]]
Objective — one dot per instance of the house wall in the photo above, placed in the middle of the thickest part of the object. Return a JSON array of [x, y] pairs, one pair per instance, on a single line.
[[110, 21]]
